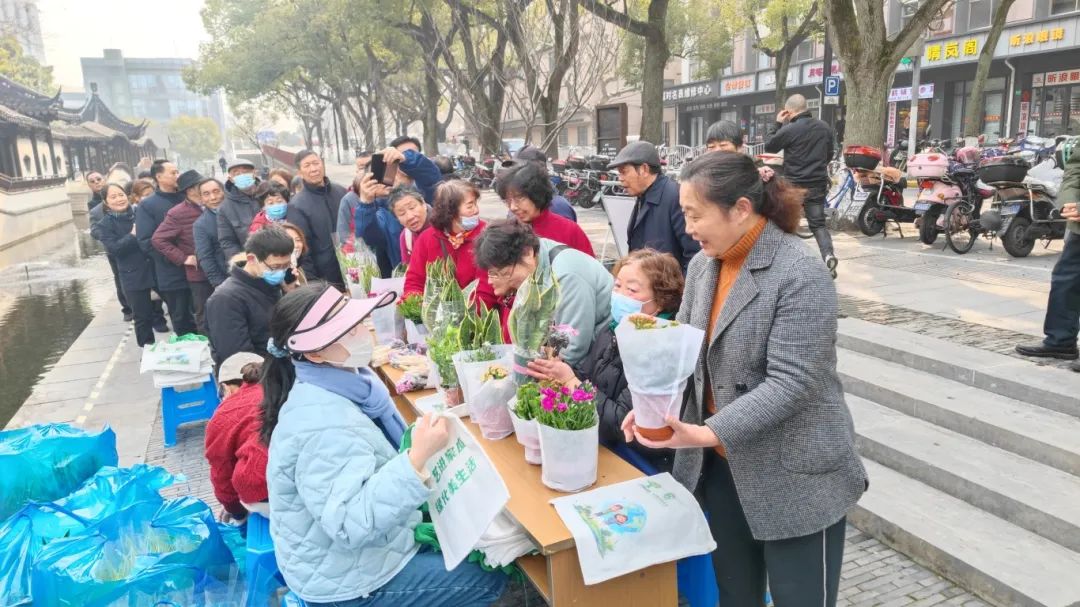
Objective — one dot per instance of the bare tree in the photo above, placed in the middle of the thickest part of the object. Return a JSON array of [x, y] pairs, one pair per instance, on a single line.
[[976, 102], [869, 57], [562, 67]]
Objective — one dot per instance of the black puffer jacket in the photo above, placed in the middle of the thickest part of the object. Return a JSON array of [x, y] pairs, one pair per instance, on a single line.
[[148, 217], [234, 218], [315, 211], [238, 315], [603, 367], [136, 268]]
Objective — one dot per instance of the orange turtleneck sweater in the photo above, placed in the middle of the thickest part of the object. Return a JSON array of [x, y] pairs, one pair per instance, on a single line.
[[731, 263]]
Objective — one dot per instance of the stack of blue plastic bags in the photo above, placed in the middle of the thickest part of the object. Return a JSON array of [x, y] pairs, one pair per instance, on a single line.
[[77, 530]]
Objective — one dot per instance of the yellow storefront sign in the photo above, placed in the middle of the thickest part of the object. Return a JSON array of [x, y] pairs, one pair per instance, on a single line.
[[1047, 35], [952, 50]]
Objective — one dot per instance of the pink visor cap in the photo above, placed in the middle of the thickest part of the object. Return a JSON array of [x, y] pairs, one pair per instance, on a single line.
[[326, 320]]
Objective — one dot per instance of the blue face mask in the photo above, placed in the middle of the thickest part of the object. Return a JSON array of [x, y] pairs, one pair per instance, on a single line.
[[277, 211], [470, 223], [623, 306], [274, 277], [244, 180]]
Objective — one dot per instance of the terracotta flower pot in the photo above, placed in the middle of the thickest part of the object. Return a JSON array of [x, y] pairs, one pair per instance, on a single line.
[[452, 395], [650, 411]]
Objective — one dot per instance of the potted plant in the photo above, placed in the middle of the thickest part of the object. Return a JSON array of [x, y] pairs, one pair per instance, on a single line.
[[444, 312], [411, 308], [441, 349], [568, 427], [656, 390], [488, 405], [523, 409], [531, 318], [479, 342], [358, 267]]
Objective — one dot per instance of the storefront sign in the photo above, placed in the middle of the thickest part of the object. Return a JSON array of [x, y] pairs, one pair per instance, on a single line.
[[812, 73], [737, 85], [767, 80], [890, 136], [694, 91], [1025, 109], [765, 108], [926, 91], [1036, 37], [698, 107], [952, 49], [1056, 78]]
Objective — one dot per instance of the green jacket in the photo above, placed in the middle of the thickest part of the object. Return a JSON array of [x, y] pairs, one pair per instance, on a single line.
[[1070, 185], [584, 295]]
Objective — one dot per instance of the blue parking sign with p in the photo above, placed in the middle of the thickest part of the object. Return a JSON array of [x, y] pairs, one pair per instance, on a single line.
[[832, 85]]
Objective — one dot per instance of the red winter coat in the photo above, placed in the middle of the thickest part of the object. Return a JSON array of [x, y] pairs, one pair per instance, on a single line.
[[429, 246], [260, 221], [562, 230], [175, 238], [236, 454]]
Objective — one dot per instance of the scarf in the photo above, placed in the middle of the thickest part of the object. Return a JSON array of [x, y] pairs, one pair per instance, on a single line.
[[363, 388], [456, 240]]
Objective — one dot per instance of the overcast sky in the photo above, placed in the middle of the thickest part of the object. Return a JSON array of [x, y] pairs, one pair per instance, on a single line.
[[139, 28]]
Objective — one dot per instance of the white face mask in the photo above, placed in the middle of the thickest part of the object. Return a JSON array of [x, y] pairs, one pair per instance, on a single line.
[[359, 347]]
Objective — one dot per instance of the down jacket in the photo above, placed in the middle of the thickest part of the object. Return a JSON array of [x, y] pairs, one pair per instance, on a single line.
[[136, 268], [234, 218], [344, 501], [175, 238], [314, 210]]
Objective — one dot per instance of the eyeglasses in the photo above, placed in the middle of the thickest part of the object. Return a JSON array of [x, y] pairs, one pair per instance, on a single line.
[[517, 200], [501, 276], [277, 266]]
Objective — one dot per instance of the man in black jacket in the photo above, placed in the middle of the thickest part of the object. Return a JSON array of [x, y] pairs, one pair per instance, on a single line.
[[171, 279], [807, 144], [238, 313], [240, 207], [314, 209]]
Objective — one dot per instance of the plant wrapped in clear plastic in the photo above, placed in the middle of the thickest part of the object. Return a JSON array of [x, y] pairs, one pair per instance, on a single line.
[[531, 320]]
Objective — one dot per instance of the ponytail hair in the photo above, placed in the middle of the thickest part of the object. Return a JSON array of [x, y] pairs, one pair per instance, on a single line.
[[722, 178], [278, 373]]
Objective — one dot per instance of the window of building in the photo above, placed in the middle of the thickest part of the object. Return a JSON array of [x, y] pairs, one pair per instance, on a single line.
[[1058, 7], [138, 108], [764, 61], [1021, 10], [980, 12], [805, 51], [26, 162], [943, 25], [564, 137], [697, 131], [583, 135]]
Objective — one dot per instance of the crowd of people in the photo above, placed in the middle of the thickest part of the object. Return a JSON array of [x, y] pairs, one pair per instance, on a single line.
[[308, 435]]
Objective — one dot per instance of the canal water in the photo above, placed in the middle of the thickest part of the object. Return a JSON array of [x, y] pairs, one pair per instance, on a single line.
[[50, 288]]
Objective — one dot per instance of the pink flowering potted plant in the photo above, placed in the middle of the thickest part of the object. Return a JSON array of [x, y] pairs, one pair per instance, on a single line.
[[569, 440]]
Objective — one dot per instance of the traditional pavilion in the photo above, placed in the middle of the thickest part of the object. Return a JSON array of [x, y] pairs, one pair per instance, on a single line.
[[42, 144]]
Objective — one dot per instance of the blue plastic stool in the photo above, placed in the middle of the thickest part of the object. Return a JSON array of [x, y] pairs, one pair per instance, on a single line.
[[695, 574], [187, 406], [262, 575]]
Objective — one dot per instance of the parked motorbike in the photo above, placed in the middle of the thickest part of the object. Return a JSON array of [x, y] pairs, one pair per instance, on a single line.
[[483, 173], [936, 192], [884, 188], [1026, 209], [964, 220]]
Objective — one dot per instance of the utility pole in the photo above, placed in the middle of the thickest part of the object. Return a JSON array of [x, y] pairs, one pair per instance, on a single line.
[[913, 113]]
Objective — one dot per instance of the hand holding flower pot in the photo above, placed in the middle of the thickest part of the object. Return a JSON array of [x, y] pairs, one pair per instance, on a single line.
[[569, 439], [656, 389]]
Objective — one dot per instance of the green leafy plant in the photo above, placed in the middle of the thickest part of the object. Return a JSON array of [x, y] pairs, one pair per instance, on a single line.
[[566, 409], [399, 271], [534, 309], [441, 349], [411, 308], [480, 328], [528, 401], [444, 301]]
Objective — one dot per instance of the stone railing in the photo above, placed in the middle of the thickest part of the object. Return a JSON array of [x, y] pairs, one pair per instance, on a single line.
[[25, 184]]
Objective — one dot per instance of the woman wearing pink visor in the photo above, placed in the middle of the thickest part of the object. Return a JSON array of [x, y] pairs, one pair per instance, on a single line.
[[343, 501]]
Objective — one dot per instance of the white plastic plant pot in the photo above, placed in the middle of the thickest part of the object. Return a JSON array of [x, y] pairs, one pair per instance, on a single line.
[[433, 378], [471, 374], [389, 325], [488, 408], [568, 457], [415, 333], [527, 433], [651, 411]]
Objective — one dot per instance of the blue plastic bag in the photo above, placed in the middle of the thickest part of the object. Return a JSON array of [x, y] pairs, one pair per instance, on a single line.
[[48, 461], [142, 549], [25, 533]]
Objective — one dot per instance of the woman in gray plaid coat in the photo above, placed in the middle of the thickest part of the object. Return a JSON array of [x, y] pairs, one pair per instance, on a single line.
[[765, 436]]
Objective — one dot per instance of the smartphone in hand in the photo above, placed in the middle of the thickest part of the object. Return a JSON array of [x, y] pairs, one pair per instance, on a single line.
[[383, 173]]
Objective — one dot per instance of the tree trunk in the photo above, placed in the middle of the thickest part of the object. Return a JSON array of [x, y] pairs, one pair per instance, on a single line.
[[432, 96], [657, 54], [866, 112], [783, 63], [549, 113], [976, 103], [380, 125], [343, 127]]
